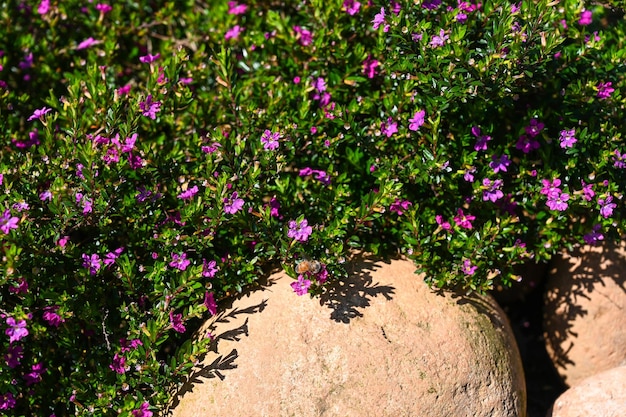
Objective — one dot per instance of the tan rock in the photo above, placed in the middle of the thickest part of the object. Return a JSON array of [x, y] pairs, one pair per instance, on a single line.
[[600, 395], [585, 311], [381, 343]]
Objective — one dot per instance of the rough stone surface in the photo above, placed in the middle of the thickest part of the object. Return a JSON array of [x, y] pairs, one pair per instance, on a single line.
[[585, 311], [381, 343], [600, 395]]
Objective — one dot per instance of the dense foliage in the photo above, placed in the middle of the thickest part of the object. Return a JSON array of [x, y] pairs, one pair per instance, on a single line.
[[159, 156]]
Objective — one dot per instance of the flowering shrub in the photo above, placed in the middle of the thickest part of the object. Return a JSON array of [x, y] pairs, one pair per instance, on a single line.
[[160, 156]]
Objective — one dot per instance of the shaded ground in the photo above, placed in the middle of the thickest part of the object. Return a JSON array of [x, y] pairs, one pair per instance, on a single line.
[[525, 314]]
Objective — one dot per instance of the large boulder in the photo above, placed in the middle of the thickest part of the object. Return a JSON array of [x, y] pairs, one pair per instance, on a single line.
[[379, 343], [585, 311], [600, 395]]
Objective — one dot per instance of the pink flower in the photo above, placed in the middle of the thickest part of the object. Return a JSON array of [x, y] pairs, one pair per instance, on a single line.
[[34, 376], [606, 207], [270, 140], [463, 220], [109, 258], [128, 345], [567, 138], [119, 364], [209, 303], [39, 113], [551, 188], [103, 8], [481, 143], [7, 401], [189, 193], [585, 18], [558, 201], [17, 329], [143, 410], [8, 222], [588, 192], [400, 206], [87, 43], [150, 108], [236, 9], [439, 40], [44, 7], [21, 288], [417, 120], [369, 66], [92, 263], [604, 90], [179, 262], [304, 36], [441, 222], [50, 315], [299, 231], [233, 204], [351, 7], [389, 128], [468, 268], [233, 33], [209, 269], [379, 19], [146, 59], [301, 286], [176, 321]]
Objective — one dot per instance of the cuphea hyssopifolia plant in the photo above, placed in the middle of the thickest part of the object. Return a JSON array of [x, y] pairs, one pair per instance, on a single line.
[[146, 186]]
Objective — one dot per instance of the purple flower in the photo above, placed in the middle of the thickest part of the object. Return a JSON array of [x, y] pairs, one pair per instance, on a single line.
[[39, 113], [301, 286], [92, 263], [351, 7], [389, 128], [305, 37], [369, 66], [179, 262], [585, 18], [7, 401], [439, 40], [593, 237], [270, 140], [469, 174], [146, 59], [34, 376], [109, 258], [150, 108], [87, 43], [493, 191], [619, 159], [463, 220], [143, 410], [17, 329], [588, 192], [8, 222], [299, 231], [379, 19], [50, 315], [176, 320], [119, 364], [606, 207], [567, 138], [400, 206], [534, 127], [468, 268], [233, 33], [233, 204], [13, 356], [499, 163], [417, 120], [527, 144], [209, 303], [209, 269], [604, 90], [128, 345], [189, 193], [551, 188], [481, 142], [558, 201], [431, 4]]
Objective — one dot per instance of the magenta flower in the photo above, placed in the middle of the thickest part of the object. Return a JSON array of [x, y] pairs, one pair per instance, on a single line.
[[619, 159], [176, 321], [442, 223], [567, 138], [119, 364], [481, 142], [606, 206], [143, 411], [233, 204], [34, 376], [103, 8], [89, 42], [189, 193], [594, 237], [369, 66], [499, 163], [551, 188], [417, 120], [44, 7], [585, 18], [431, 4], [400, 206], [493, 192], [604, 90], [209, 303], [7, 401], [351, 7], [179, 262], [8, 222], [527, 144], [389, 128], [558, 201], [209, 269], [233, 33], [468, 175], [146, 59], [33, 139], [588, 192], [150, 108], [92, 263], [21, 288], [299, 231], [270, 140], [39, 113], [301, 286], [128, 345], [50, 315], [235, 8], [17, 329], [439, 40], [468, 268], [379, 19], [304, 36], [109, 258], [463, 220], [13, 356]]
